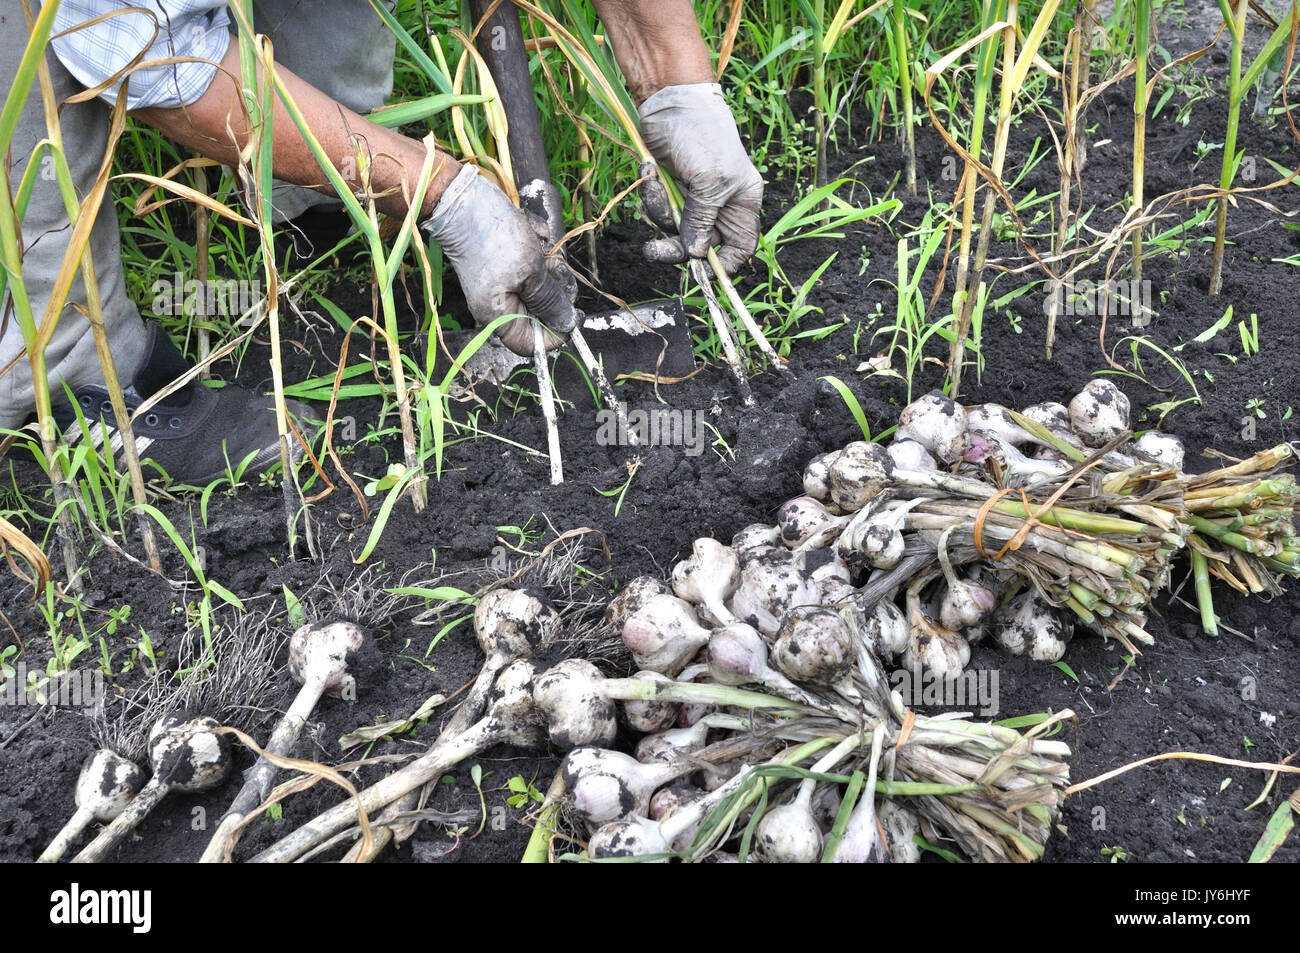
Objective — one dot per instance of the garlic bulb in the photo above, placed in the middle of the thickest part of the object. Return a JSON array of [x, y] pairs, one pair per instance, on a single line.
[[1048, 413], [936, 648], [634, 837], [737, 655], [649, 717], [669, 745], [512, 624], [887, 631], [672, 800], [799, 519], [631, 598], [936, 423], [859, 473], [755, 536], [767, 592], [1034, 627], [901, 826], [932, 647], [576, 712], [816, 476], [911, 455], [608, 785], [965, 603], [1163, 448], [107, 784], [1099, 413], [1019, 470], [814, 645], [877, 536], [788, 833], [993, 420], [664, 634], [708, 577]]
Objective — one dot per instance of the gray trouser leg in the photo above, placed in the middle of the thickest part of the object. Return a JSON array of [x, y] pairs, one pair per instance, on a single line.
[[71, 355], [339, 46]]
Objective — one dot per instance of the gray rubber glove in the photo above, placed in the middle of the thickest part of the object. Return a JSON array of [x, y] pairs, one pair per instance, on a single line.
[[498, 260], [692, 134]]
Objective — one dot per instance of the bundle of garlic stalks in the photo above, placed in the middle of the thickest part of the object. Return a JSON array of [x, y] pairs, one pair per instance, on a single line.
[[1243, 522], [1024, 524], [987, 790], [871, 775]]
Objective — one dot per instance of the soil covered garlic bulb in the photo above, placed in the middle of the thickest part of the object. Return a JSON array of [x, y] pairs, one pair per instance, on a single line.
[[886, 630], [647, 717], [514, 623], [319, 653], [911, 455], [512, 714], [607, 785], [1031, 626], [768, 591], [1099, 413], [1163, 448], [799, 519], [107, 784], [631, 598], [1049, 413], [814, 645], [816, 476], [755, 536], [938, 423], [860, 472], [576, 712]]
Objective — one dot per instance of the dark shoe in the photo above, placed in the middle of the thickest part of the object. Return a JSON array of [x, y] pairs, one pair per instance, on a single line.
[[195, 434]]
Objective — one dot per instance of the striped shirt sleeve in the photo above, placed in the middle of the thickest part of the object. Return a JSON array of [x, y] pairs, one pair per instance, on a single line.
[[92, 54]]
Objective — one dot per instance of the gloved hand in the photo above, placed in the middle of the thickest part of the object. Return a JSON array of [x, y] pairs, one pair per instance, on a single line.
[[692, 134], [499, 261]]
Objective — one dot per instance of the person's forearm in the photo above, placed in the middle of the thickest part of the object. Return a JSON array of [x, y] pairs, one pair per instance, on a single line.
[[656, 44], [206, 127]]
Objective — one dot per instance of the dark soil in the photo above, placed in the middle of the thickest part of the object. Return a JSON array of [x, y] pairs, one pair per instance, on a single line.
[[1186, 693]]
